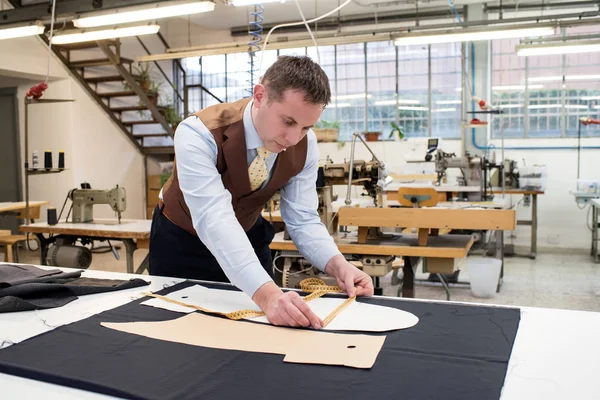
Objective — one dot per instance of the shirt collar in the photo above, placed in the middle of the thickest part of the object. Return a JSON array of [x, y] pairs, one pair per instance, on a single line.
[[253, 141]]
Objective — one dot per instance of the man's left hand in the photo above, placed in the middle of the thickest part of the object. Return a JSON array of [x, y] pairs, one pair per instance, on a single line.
[[352, 280]]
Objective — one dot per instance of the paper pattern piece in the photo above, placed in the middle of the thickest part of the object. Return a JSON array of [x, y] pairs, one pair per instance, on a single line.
[[298, 345], [356, 317]]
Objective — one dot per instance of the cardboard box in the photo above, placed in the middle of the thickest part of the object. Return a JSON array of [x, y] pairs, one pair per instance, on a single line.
[[443, 265], [154, 182], [152, 197]]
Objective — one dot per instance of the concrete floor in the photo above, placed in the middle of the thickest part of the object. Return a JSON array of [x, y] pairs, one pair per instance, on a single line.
[[566, 281]]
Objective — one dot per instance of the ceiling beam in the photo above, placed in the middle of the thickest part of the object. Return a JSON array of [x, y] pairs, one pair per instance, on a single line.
[[65, 8]]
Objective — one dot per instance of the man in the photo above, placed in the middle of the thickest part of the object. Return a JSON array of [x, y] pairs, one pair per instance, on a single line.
[[230, 160]]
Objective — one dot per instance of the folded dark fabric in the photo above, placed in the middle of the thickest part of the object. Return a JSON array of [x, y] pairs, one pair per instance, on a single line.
[[15, 274], [26, 287]]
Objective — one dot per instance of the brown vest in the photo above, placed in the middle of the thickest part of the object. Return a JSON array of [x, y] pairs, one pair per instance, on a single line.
[[225, 122]]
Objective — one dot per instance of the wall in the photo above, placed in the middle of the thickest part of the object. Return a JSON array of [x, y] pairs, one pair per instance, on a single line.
[[96, 151], [561, 224]]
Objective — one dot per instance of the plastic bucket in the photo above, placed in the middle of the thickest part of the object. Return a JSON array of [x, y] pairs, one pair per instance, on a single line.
[[484, 274]]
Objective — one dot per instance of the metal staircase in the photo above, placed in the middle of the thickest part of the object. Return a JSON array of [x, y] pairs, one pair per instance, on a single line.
[[110, 79]]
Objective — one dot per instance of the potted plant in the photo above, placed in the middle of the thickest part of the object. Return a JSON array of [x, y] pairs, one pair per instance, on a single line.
[[171, 116], [397, 131], [327, 131], [153, 93], [372, 136], [143, 76]]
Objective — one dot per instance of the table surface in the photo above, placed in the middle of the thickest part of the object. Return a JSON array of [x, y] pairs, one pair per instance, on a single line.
[[443, 246], [555, 354], [110, 228], [595, 202], [393, 187], [20, 205]]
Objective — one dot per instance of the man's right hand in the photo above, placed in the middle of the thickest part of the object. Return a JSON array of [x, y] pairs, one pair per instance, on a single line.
[[285, 309]]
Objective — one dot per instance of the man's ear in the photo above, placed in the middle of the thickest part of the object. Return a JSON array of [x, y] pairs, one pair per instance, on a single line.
[[260, 95]]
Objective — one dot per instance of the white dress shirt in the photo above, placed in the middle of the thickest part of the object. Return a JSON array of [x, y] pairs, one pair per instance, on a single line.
[[212, 213]]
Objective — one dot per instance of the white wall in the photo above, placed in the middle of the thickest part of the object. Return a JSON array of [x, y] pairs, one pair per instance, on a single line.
[[96, 150], [561, 224]]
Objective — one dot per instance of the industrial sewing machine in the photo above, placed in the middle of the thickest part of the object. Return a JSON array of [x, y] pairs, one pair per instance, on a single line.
[[84, 199]]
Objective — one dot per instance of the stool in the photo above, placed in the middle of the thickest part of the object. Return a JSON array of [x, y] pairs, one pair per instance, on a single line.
[[11, 253]]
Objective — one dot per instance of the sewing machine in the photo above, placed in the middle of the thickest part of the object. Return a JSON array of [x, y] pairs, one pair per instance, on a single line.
[[84, 200]]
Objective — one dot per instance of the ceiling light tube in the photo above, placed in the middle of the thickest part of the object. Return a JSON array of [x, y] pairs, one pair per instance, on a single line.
[[87, 36], [239, 3], [159, 10], [583, 46], [448, 102], [515, 87], [352, 96], [472, 35], [393, 102], [21, 31]]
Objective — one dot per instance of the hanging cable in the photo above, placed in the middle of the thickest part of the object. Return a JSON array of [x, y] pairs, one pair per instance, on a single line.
[[309, 31], [265, 42], [455, 11], [50, 40], [254, 44]]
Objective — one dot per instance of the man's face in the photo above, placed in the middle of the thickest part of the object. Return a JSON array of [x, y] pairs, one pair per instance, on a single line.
[[282, 124]]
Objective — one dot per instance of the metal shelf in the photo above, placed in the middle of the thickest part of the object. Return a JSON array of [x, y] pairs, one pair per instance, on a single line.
[[41, 171], [46, 101]]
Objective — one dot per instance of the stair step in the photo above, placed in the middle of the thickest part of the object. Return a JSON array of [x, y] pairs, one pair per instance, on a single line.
[[141, 122], [109, 78], [132, 108], [124, 93], [96, 62], [84, 45], [159, 150], [145, 135]]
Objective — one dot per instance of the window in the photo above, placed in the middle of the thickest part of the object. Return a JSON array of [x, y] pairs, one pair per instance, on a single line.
[[446, 94], [413, 85], [349, 100], [381, 73]]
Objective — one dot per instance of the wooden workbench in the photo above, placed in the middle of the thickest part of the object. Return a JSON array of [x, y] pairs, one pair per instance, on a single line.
[[134, 234], [404, 246], [18, 208]]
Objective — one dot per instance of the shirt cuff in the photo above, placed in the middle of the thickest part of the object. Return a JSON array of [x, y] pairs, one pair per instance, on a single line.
[[323, 254], [250, 278]]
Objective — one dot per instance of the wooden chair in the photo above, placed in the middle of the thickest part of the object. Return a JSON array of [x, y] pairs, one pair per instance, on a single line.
[[10, 243]]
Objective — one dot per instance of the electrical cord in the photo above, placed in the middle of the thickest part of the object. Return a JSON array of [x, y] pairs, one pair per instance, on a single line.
[[50, 40], [266, 41], [309, 31]]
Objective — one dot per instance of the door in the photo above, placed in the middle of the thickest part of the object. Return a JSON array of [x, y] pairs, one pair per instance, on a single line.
[[10, 165]]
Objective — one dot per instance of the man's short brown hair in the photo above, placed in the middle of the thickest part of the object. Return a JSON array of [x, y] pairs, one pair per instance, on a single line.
[[297, 73]]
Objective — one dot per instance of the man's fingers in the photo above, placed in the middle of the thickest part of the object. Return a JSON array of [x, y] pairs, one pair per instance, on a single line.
[[313, 319], [349, 285], [296, 314]]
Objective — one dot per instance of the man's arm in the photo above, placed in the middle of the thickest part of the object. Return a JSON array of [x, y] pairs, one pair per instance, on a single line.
[[299, 203], [217, 227]]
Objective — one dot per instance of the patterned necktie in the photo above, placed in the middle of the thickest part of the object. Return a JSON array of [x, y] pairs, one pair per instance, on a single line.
[[257, 171]]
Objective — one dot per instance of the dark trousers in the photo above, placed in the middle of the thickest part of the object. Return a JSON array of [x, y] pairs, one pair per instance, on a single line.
[[174, 252]]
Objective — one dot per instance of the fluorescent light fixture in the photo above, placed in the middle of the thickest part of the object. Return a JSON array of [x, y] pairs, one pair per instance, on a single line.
[[541, 106], [21, 31], [510, 106], [576, 106], [352, 96], [573, 47], [449, 102], [409, 108], [515, 87], [567, 78], [441, 110], [86, 36], [239, 3], [339, 105], [393, 102], [157, 11], [588, 98], [458, 89], [597, 107], [456, 35]]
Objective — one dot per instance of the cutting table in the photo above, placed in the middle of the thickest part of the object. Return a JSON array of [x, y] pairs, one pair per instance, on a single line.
[[18, 208], [553, 357], [134, 233]]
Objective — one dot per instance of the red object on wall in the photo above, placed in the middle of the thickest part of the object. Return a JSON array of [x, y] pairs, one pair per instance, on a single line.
[[37, 91]]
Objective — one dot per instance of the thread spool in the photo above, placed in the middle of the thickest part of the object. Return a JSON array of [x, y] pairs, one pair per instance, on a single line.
[[52, 219], [48, 159], [61, 159], [35, 161]]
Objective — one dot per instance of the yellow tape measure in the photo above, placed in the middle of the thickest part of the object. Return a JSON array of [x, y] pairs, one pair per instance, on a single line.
[[316, 287]]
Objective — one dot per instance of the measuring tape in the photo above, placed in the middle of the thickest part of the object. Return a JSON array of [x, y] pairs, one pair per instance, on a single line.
[[316, 287]]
